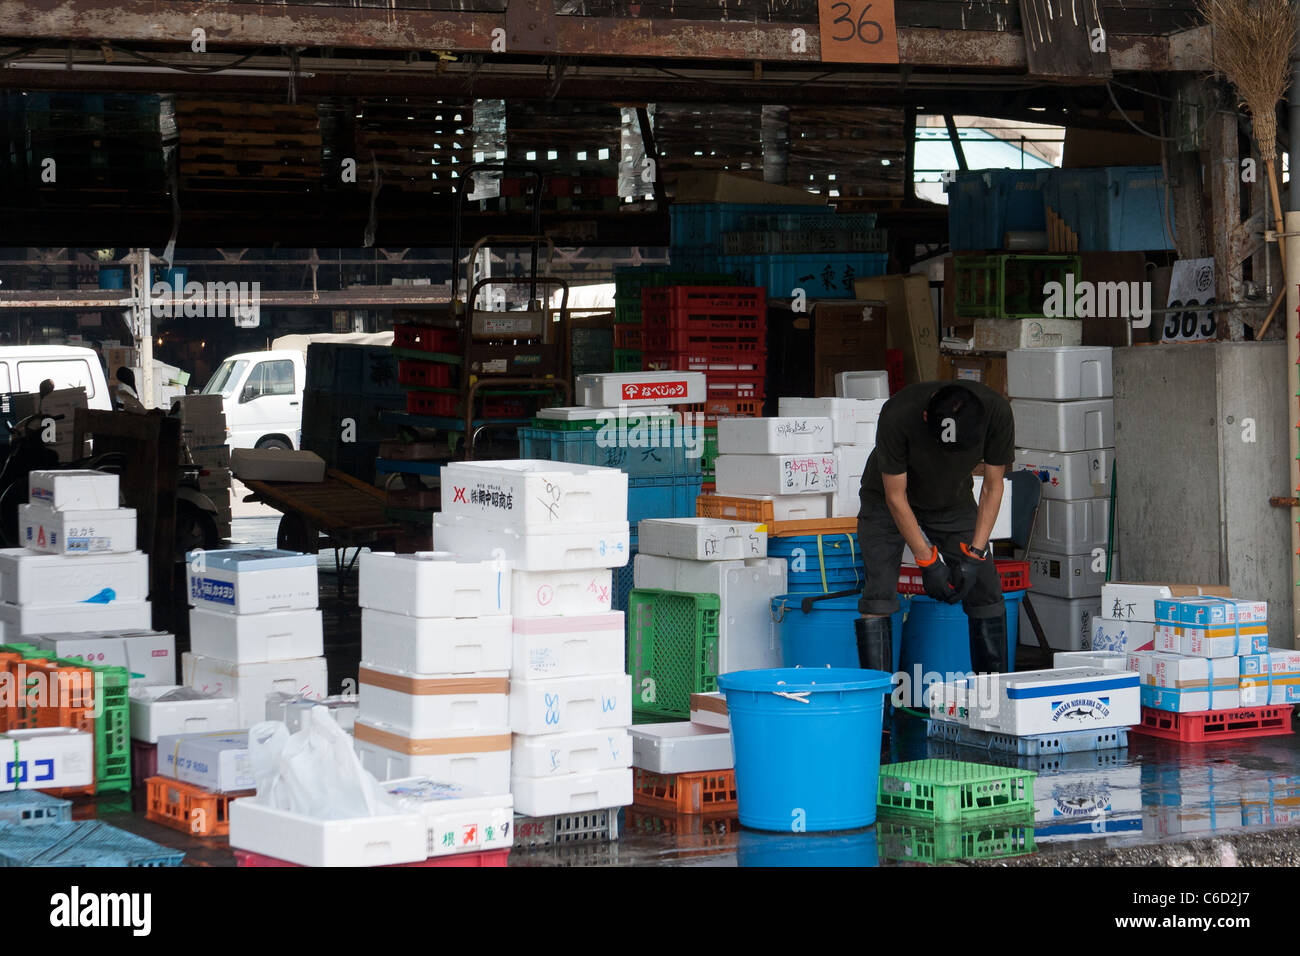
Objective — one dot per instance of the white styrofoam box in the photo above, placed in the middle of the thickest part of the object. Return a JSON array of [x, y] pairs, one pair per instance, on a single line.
[[1055, 701], [148, 656], [850, 463], [253, 638], [710, 710], [1068, 575], [252, 580], [433, 584], [1072, 527], [250, 684], [1098, 660], [1137, 601], [593, 546], [552, 593], [701, 539], [475, 760], [948, 701], [1190, 684], [1065, 426], [1139, 661], [1002, 335], [613, 389], [1094, 794], [583, 751], [420, 705], [1067, 622], [161, 710], [435, 645], [585, 413], [853, 419], [215, 761], [457, 819], [76, 532], [1002, 523], [79, 489], [385, 840], [1272, 678], [31, 578], [868, 384], [1068, 475], [570, 646], [1222, 641], [775, 474], [681, 748], [774, 436], [1109, 634], [534, 495], [571, 792], [295, 712], [23, 621], [563, 704], [46, 758], [1060, 374], [747, 637]]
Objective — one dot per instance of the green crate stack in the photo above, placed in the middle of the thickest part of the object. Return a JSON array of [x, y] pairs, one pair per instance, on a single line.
[[710, 455], [628, 283], [922, 843], [672, 650], [954, 791], [627, 360], [1008, 286]]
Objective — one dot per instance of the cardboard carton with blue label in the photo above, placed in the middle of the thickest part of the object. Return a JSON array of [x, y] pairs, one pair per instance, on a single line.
[[1270, 678], [1186, 684]]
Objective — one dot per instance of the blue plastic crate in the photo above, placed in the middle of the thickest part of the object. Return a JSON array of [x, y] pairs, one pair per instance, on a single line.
[[623, 578], [1113, 208], [87, 843], [662, 497], [583, 448], [824, 275], [984, 204], [1035, 745], [811, 218], [29, 808], [700, 225]]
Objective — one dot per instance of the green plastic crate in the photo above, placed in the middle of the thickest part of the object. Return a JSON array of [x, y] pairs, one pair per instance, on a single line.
[[1008, 286], [921, 843], [953, 791], [112, 728], [627, 360], [672, 650], [709, 455]]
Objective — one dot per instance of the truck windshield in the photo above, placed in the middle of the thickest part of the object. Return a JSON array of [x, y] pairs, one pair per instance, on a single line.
[[226, 378]]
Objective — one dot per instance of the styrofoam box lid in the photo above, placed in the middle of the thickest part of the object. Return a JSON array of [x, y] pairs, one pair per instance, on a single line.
[[582, 413], [254, 559], [449, 557], [530, 466], [44, 477], [675, 730], [592, 378], [34, 733], [1064, 676], [700, 523], [428, 796]]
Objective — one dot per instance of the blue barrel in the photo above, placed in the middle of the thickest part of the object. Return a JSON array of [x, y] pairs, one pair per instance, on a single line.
[[112, 278], [806, 849], [936, 636], [807, 746], [824, 637]]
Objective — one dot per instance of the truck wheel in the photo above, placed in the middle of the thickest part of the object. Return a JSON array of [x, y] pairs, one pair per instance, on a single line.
[[297, 534], [278, 444]]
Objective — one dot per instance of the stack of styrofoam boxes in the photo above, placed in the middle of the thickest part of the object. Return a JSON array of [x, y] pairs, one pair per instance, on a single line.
[[563, 526], [203, 429], [1203, 646], [1128, 613], [435, 664], [78, 569], [1065, 433], [853, 436], [255, 627], [789, 461]]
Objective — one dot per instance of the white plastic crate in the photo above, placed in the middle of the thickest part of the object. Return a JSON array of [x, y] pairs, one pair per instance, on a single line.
[[1065, 426], [1072, 527], [585, 413], [1068, 575], [850, 464], [250, 684], [1060, 374], [862, 385], [612, 389], [256, 638], [1098, 660], [681, 747], [360, 841], [46, 758], [710, 710], [76, 532], [148, 656], [457, 819], [853, 420], [34, 579], [217, 761], [434, 584], [747, 636], [701, 539], [534, 495], [564, 704], [20, 621], [571, 646], [774, 436], [252, 580], [598, 546], [1109, 634], [1136, 601], [583, 751], [1001, 335], [553, 593], [571, 793], [775, 474], [478, 760], [1067, 622], [152, 718], [1054, 701], [436, 645], [1069, 475], [420, 705], [73, 490]]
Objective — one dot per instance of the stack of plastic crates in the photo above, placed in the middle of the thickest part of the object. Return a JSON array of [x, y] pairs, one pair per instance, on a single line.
[[628, 283], [672, 649]]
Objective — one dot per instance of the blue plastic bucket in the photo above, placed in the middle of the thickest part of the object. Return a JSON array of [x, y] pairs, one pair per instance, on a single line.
[[807, 849], [807, 746], [824, 637], [936, 636]]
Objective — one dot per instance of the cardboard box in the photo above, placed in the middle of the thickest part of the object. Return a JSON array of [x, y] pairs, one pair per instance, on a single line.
[[1109, 634], [148, 656], [911, 321], [1190, 684], [77, 489], [1209, 612], [76, 532], [269, 464], [160, 710], [255, 638], [46, 758], [1191, 701], [1271, 678], [216, 761], [252, 581], [1054, 701], [1134, 601], [990, 370], [847, 337], [34, 579], [729, 187], [250, 684]]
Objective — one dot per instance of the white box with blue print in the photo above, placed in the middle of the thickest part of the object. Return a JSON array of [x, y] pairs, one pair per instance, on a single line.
[[252, 580]]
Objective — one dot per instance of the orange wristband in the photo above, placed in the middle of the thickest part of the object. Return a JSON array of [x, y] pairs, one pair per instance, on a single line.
[[934, 556]]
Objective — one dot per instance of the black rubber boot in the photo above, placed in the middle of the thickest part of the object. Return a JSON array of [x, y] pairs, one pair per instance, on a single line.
[[988, 644], [875, 643]]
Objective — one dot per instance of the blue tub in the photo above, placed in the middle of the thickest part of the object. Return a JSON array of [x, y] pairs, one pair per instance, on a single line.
[[807, 849], [825, 637], [936, 636], [819, 563], [810, 762]]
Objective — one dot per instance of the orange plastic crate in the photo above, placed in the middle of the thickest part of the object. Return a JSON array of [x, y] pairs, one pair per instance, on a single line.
[[1210, 725], [67, 698], [760, 512], [712, 791], [190, 809], [717, 832]]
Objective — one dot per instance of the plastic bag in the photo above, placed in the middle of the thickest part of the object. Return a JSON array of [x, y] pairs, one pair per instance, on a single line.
[[315, 772]]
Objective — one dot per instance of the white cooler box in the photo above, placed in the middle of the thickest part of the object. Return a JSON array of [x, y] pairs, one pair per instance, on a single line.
[[775, 474], [1055, 701], [1097, 660], [1072, 527], [436, 645], [22, 621], [1067, 622], [148, 656], [1068, 575], [681, 747], [552, 593], [563, 704], [34, 579], [1065, 426], [1069, 475], [159, 710], [426, 705], [252, 580], [76, 532], [46, 758], [214, 761], [1137, 601], [250, 684], [458, 819], [256, 638], [73, 490], [433, 584], [865, 384], [613, 389], [850, 464], [585, 413], [599, 546], [571, 646], [1109, 634], [476, 760], [534, 495], [1060, 374], [774, 436], [571, 793], [701, 539], [583, 751], [853, 420], [360, 841]]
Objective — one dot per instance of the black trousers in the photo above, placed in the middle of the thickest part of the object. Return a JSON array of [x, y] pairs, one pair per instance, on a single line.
[[882, 555]]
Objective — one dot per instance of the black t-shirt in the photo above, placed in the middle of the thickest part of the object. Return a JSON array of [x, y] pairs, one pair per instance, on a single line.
[[937, 476]]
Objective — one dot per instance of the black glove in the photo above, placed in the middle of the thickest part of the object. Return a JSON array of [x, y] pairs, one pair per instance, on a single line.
[[937, 579], [968, 572]]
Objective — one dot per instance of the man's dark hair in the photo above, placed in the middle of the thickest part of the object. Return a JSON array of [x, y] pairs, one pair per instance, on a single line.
[[125, 376], [955, 417]]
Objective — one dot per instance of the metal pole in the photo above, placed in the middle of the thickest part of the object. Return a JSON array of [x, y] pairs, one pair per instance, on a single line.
[[142, 305], [1291, 273]]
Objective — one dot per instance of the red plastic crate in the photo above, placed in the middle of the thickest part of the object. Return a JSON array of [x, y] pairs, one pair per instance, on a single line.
[[706, 300], [431, 403], [416, 374], [1207, 726], [716, 345], [712, 791], [425, 338], [894, 368], [752, 365], [712, 408], [481, 858], [500, 407], [1013, 574]]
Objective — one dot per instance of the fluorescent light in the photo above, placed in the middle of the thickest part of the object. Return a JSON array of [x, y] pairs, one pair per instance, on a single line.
[[106, 68]]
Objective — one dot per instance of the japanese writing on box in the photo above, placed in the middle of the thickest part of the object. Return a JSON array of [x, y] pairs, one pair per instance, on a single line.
[[655, 390], [492, 498], [1122, 609]]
